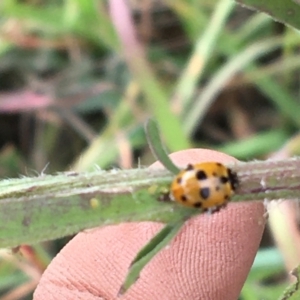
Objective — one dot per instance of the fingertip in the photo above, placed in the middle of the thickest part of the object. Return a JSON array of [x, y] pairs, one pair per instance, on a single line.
[[183, 157], [209, 259]]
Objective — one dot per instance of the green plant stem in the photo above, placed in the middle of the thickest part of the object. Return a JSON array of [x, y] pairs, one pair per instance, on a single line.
[[47, 207]]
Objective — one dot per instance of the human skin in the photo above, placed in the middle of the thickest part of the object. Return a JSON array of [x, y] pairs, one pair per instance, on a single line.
[[209, 258]]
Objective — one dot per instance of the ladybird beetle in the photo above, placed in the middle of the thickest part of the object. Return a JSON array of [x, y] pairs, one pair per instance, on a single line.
[[206, 185]]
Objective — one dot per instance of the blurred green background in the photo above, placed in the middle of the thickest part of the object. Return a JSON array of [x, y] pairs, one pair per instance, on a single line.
[[79, 78]]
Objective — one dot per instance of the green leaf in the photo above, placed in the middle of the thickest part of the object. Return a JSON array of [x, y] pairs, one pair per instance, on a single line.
[[157, 148], [287, 12], [258, 144], [156, 244]]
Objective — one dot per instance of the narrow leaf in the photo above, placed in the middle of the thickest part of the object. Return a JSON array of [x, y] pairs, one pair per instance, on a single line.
[[157, 148], [156, 244], [287, 12]]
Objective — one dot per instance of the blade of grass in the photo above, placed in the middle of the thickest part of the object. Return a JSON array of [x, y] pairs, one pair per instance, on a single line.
[[202, 51], [230, 44], [287, 12], [156, 97], [87, 23], [192, 16], [156, 244], [157, 147], [234, 65], [259, 144]]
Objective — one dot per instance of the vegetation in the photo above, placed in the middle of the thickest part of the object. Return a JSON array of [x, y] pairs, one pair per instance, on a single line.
[[78, 79]]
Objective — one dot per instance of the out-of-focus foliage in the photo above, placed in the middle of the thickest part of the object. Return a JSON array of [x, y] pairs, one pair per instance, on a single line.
[[287, 12], [76, 88]]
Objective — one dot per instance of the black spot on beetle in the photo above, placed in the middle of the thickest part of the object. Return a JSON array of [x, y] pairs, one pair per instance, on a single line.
[[189, 167], [201, 175], [233, 179], [219, 165], [217, 188], [224, 179], [198, 204], [214, 174], [179, 180], [183, 198], [204, 193]]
